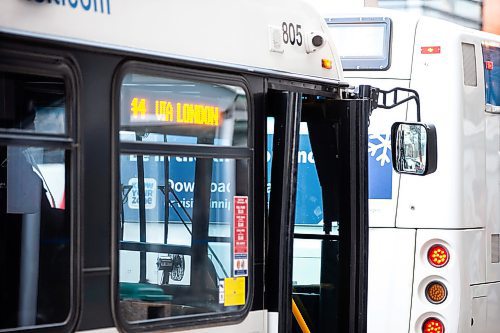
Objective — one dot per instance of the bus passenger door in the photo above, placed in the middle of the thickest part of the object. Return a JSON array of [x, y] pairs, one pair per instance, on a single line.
[[317, 226]]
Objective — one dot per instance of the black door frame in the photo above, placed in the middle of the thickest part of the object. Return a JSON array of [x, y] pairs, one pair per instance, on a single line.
[[352, 115]]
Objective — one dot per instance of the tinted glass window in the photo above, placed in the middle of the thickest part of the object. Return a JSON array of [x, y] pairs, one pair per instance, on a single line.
[[491, 55], [31, 103], [184, 222], [35, 225], [198, 112], [185, 244], [34, 236]]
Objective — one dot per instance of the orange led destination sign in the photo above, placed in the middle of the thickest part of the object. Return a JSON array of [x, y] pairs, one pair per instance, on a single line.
[[169, 112]]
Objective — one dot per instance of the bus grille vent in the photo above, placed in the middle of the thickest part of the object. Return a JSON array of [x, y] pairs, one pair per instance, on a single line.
[[469, 63]]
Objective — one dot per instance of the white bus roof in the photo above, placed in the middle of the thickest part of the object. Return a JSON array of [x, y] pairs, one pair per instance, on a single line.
[[235, 33]]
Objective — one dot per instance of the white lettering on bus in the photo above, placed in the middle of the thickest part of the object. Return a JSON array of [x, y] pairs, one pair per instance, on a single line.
[[186, 186], [304, 156]]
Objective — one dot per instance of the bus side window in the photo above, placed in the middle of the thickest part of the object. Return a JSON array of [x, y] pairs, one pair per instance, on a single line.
[[35, 226], [491, 56], [185, 204]]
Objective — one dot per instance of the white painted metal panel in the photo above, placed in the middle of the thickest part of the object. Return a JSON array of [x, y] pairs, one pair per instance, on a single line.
[[479, 308], [383, 211], [436, 200], [465, 190], [272, 322], [478, 315], [338, 4], [465, 267], [390, 272], [255, 322], [235, 33], [473, 207], [493, 308], [492, 192]]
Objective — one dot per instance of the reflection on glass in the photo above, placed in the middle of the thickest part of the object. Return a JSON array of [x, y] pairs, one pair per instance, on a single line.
[[309, 203], [31, 103], [411, 148], [34, 237], [369, 40], [176, 232], [315, 247], [491, 55], [207, 113]]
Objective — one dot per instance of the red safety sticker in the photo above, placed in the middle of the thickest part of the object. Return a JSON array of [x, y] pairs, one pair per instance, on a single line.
[[240, 241], [430, 49]]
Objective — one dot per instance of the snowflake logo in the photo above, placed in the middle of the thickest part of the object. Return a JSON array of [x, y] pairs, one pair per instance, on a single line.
[[384, 145]]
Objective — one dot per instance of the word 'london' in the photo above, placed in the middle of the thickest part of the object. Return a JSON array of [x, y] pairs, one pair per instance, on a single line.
[[185, 113]]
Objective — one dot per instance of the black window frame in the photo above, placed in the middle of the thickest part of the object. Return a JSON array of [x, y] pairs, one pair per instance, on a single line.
[[181, 72], [16, 58]]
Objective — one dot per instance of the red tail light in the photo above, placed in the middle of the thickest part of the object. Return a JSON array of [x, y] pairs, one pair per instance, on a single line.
[[433, 325], [438, 255]]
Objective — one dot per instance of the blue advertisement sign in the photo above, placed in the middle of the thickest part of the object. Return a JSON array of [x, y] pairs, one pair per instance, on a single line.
[[181, 181], [379, 166], [181, 173], [309, 204]]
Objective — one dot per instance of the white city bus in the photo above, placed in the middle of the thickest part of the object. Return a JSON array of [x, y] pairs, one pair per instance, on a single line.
[[133, 190], [434, 253]]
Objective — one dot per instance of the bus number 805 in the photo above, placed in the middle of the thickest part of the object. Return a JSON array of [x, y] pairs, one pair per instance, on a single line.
[[291, 33]]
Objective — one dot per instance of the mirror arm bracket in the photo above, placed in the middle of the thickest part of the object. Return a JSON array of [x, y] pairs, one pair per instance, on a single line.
[[373, 93]]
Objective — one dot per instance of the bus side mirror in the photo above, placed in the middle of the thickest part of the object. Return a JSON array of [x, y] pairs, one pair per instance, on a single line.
[[414, 148]]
